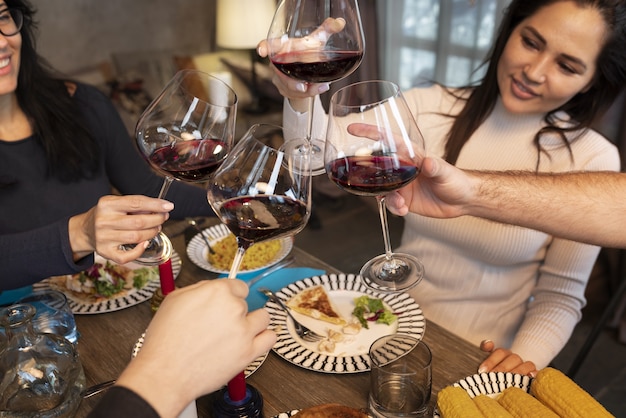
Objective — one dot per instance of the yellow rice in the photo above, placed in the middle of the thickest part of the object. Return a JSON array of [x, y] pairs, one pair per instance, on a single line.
[[258, 255]]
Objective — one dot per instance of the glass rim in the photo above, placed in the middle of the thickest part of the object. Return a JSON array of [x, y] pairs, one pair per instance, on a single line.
[[182, 74], [410, 339], [395, 91]]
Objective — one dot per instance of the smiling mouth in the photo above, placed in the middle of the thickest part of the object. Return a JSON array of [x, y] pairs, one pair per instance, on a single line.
[[4, 62], [521, 90]]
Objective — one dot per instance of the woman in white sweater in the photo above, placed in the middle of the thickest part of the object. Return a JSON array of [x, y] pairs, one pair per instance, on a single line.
[[554, 67]]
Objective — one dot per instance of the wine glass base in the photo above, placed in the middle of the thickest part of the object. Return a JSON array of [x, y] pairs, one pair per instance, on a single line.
[[398, 274], [295, 146], [158, 251]]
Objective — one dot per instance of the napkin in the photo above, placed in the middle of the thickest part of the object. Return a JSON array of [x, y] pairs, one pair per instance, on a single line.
[[8, 297], [275, 281]]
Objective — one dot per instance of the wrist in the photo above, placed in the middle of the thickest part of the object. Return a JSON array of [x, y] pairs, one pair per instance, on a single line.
[[154, 387], [79, 240], [299, 105]]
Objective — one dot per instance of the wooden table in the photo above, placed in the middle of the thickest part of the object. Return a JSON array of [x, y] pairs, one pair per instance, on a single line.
[[107, 340]]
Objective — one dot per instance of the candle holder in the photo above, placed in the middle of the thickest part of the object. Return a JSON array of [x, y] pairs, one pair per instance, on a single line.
[[238, 400]]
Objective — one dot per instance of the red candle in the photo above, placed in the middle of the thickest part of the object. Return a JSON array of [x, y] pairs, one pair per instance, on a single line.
[[166, 276], [237, 387]]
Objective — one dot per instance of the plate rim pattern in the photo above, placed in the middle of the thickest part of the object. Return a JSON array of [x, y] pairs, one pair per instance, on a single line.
[[131, 298], [196, 249], [290, 349], [252, 367]]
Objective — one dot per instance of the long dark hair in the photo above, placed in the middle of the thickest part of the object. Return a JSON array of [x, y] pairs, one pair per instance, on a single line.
[[56, 118], [583, 108]]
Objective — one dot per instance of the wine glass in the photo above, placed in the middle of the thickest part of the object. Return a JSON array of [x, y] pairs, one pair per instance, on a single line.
[[373, 146], [316, 41], [185, 134], [261, 191]]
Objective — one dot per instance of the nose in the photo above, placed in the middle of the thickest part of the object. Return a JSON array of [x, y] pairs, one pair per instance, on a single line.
[[535, 71], [4, 41]]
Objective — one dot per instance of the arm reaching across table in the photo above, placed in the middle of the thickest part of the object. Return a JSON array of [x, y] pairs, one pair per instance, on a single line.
[[201, 336], [581, 206]]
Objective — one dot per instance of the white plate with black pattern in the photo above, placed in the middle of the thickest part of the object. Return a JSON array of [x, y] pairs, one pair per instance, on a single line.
[[350, 356], [252, 367], [490, 384], [198, 252], [124, 300]]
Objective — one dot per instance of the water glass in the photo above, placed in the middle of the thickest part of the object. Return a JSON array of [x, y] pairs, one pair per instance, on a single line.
[[401, 377], [53, 314]]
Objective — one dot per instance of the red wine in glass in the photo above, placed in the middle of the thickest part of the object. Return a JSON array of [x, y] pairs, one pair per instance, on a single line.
[[317, 66], [371, 175], [195, 160], [263, 217]]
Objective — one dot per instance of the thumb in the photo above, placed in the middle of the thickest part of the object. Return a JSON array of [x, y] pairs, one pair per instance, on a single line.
[[430, 167], [396, 204]]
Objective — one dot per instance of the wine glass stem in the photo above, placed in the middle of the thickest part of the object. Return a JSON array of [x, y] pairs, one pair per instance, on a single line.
[[382, 211], [234, 267], [167, 182], [309, 126]]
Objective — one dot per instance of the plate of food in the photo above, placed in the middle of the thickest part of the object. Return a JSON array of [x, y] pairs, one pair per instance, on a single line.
[[490, 385], [252, 367], [107, 286], [325, 410], [550, 393], [349, 315], [224, 245]]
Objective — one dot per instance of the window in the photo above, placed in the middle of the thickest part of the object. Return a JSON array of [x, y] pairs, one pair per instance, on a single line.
[[440, 40]]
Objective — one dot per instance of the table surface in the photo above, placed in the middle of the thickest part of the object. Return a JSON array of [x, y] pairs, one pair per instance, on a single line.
[[107, 339]]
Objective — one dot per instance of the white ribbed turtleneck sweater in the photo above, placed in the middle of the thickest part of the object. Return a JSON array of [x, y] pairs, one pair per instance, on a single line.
[[521, 288]]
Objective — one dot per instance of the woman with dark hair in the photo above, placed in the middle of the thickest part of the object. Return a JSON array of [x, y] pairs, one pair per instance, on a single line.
[[555, 66], [64, 149]]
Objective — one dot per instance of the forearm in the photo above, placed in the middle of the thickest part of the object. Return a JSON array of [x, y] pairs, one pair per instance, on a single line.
[[30, 256], [164, 395], [586, 207]]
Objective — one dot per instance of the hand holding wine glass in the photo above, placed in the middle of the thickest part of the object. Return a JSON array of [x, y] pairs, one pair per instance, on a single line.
[[316, 41], [373, 147], [260, 192], [185, 134]]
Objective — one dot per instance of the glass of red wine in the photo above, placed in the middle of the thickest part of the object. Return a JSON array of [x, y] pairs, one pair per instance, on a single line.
[[316, 41], [373, 147], [262, 190], [185, 134]]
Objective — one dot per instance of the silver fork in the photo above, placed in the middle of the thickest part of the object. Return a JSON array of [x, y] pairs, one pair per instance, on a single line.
[[303, 332]]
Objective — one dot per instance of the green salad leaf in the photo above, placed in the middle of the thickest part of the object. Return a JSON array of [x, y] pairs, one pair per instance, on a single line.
[[367, 309], [143, 276]]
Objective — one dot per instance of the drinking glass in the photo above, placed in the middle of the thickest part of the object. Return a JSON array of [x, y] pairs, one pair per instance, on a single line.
[[306, 44], [185, 134], [52, 313], [42, 375], [261, 191], [373, 147], [401, 377]]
